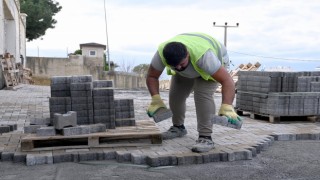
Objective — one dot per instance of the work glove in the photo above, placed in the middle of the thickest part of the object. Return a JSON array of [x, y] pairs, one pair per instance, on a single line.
[[155, 105], [228, 111]]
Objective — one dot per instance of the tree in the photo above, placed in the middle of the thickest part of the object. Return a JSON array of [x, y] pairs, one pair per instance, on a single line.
[[78, 51], [40, 16], [141, 69]]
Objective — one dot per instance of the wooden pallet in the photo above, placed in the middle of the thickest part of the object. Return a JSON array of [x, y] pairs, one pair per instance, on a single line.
[[145, 133], [10, 73], [277, 119]]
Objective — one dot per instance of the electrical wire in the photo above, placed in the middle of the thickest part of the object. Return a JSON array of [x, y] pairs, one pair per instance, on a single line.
[[270, 57]]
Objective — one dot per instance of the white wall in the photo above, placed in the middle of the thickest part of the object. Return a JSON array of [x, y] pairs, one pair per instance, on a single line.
[[12, 31]]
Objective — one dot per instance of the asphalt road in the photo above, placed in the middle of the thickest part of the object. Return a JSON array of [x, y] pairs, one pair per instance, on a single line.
[[283, 160]]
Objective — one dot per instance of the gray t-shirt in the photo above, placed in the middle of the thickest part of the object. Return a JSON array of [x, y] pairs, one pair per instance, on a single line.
[[209, 62]]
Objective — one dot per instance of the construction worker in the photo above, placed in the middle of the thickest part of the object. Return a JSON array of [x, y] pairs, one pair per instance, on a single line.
[[198, 63]]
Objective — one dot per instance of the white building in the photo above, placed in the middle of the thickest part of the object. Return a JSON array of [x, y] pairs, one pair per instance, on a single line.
[[12, 32]]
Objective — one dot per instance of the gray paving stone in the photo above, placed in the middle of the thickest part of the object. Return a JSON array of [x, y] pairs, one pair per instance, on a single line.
[[19, 157], [210, 157], [109, 154], [70, 131], [138, 158], [123, 156], [86, 86], [87, 156], [94, 128], [243, 155], [32, 128], [68, 119], [7, 156], [189, 158], [38, 159], [60, 80], [46, 131], [102, 83], [81, 79]]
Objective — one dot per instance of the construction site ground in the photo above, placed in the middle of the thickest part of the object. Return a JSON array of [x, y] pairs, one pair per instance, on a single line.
[[260, 150]]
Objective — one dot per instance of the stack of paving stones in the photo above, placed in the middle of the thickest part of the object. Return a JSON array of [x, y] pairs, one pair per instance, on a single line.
[[81, 98], [279, 93], [5, 128], [124, 112], [60, 101], [103, 103], [93, 103]]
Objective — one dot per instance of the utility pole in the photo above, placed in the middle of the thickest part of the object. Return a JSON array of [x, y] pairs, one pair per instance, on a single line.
[[225, 26], [108, 53]]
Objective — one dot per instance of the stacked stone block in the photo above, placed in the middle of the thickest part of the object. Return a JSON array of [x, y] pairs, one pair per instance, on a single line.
[[279, 93], [81, 98], [124, 110], [104, 110], [93, 101]]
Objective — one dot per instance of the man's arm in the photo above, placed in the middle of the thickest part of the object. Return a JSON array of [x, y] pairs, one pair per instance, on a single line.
[[228, 87], [152, 80]]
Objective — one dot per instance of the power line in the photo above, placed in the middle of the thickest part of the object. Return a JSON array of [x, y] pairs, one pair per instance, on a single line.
[[270, 57]]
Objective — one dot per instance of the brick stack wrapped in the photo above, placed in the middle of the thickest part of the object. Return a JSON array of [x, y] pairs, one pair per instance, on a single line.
[[279, 93], [93, 101]]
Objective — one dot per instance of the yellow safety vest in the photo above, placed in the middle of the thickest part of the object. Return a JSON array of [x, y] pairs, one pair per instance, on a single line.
[[197, 45]]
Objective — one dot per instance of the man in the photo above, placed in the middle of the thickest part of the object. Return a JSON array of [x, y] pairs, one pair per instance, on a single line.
[[197, 62]]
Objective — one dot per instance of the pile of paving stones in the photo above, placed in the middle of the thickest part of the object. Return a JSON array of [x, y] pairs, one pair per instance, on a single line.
[[79, 105], [5, 128], [279, 93]]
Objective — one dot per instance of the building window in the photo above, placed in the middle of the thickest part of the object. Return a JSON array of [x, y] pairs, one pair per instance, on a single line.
[[92, 53]]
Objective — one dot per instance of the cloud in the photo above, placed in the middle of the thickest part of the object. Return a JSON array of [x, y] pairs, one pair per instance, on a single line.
[[286, 28]]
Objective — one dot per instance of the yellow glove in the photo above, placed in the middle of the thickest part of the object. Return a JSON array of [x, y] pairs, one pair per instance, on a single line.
[[156, 103], [228, 111]]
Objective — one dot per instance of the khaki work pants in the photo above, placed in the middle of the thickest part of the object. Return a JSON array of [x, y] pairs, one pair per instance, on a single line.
[[180, 89]]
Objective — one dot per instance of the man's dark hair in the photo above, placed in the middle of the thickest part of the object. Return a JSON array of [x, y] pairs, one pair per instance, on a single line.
[[174, 52]]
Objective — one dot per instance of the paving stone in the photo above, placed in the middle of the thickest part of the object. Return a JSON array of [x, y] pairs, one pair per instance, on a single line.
[[70, 131], [243, 155], [138, 158], [7, 156], [189, 158], [87, 156], [19, 157], [94, 128], [68, 119], [60, 80], [210, 157], [87, 86], [81, 79], [38, 159], [109, 154], [123, 156], [4, 129], [32, 128], [46, 131], [40, 121], [102, 83]]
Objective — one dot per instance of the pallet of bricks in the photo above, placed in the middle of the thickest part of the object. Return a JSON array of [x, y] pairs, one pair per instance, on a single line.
[[279, 94], [81, 108]]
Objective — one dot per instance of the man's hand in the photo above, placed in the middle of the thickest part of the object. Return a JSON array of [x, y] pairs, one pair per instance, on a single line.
[[155, 104], [228, 111]]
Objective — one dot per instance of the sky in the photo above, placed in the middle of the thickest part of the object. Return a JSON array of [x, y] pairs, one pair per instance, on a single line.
[[283, 34]]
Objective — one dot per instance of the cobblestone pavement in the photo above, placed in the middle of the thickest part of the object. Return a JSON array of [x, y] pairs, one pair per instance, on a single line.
[[28, 102]]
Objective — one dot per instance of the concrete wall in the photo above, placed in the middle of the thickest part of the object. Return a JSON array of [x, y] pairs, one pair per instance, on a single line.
[[81, 65]]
